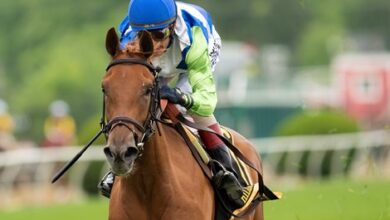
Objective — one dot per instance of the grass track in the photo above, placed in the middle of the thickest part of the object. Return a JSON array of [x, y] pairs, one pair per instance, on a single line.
[[335, 200], [92, 209]]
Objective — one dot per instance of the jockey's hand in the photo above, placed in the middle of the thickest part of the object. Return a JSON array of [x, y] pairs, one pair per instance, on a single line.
[[176, 96]]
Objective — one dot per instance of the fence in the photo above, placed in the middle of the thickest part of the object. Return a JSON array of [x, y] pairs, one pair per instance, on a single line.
[[31, 169], [328, 155]]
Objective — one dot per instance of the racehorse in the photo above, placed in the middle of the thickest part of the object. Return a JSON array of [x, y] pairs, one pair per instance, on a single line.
[[156, 174]]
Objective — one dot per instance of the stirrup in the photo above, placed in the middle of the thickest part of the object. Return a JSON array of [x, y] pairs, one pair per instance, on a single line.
[[105, 185], [227, 183]]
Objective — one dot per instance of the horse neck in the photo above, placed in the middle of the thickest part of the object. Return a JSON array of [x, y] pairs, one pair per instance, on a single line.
[[157, 153], [165, 177], [158, 162]]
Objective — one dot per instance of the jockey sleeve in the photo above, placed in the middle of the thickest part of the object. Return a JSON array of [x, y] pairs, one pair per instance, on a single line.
[[200, 75]]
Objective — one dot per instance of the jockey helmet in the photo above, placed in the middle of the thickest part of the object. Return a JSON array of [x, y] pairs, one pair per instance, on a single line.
[[59, 108], [151, 14], [3, 107]]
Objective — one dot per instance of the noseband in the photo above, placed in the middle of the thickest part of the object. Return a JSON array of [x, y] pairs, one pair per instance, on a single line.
[[146, 129]]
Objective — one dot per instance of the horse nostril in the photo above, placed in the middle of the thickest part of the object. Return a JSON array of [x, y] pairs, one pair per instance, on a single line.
[[131, 153], [108, 152]]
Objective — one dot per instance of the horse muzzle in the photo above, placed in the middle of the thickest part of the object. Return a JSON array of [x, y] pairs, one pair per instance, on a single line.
[[121, 161]]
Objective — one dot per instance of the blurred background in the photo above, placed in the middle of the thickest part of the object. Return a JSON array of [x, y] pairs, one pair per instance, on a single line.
[[307, 81]]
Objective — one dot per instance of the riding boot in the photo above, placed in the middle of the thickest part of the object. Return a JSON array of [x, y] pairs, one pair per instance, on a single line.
[[225, 178], [105, 185]]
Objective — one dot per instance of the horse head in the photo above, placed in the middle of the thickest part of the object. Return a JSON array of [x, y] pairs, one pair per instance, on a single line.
[[130, 101]]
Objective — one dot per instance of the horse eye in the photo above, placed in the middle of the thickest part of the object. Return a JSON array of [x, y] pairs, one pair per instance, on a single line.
[[104, 88], [104, 91], [148, 90]]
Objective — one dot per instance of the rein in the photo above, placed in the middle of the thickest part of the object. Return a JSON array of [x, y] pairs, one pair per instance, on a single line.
[[106, 127]]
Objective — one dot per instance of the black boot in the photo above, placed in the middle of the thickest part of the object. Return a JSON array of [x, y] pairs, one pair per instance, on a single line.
[[105, 185], [225, 177]]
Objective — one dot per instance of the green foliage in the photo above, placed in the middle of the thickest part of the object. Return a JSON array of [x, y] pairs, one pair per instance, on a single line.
[[92, 177], [316, 46], [89, 130], [55, 49], [259, 21], [370, 17], [325, 28], [314, 122]]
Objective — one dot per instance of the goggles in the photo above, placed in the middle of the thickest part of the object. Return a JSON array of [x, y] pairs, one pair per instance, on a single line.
[[159, 34]]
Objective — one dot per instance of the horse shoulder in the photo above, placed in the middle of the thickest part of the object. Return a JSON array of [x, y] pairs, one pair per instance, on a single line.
[[188, 192], [247, 149]]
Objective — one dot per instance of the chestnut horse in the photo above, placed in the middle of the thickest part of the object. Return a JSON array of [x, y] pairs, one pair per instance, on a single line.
[[157, 176]]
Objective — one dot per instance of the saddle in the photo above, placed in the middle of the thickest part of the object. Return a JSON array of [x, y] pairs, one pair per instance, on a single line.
[[254, 192]]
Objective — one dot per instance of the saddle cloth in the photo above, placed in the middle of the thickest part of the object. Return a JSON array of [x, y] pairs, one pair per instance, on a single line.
[[250, 188]]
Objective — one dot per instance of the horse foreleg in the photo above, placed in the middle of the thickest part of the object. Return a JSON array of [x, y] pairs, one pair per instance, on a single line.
[[259, 213]]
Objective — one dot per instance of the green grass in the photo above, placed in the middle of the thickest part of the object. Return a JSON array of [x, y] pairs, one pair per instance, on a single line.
[[92, 209], [333, 200]]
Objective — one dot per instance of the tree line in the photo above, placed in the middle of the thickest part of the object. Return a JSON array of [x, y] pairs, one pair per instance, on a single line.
[[55, 49]]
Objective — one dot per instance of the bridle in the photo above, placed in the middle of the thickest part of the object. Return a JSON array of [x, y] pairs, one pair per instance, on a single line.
[[147, 128]]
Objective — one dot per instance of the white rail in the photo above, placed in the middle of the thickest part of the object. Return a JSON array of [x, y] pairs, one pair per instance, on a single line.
[[359, 140], [346, 154], [36, 166]]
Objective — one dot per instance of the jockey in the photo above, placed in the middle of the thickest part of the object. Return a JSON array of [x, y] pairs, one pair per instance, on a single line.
[[59, 127], [187, 47], [7, 139]]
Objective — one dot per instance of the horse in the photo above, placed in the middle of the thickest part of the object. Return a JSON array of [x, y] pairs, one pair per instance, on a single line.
[[156, 174]]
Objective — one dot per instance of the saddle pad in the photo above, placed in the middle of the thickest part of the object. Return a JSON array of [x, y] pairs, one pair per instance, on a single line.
[[250, 189]]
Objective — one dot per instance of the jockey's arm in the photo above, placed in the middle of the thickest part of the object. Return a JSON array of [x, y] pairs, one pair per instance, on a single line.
[[200, 76]]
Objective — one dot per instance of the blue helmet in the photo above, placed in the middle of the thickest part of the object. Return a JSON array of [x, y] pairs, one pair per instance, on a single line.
[[151, 14]]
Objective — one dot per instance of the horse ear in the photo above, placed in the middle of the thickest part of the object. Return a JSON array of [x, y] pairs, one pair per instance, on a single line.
[[146, 44], [112, 42]]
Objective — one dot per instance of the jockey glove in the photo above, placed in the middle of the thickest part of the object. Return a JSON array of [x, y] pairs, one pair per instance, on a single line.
[[176, 96]]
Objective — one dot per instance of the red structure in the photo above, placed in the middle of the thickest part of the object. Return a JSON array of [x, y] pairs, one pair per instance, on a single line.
[[363, 83]]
